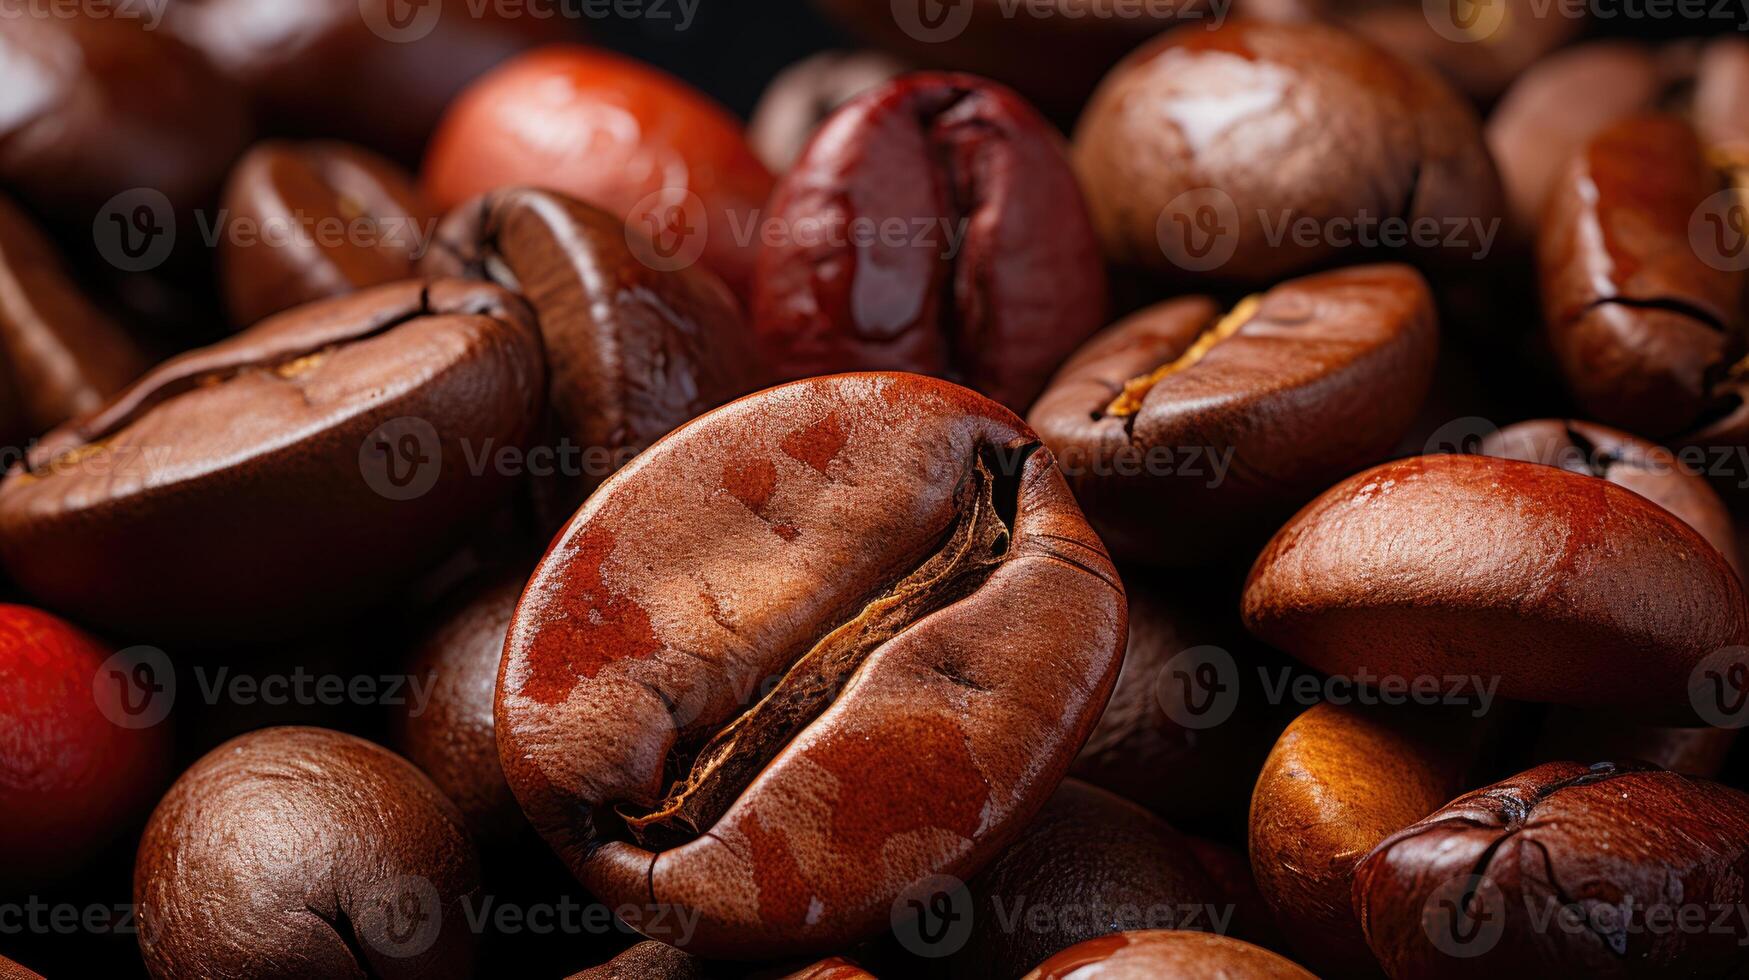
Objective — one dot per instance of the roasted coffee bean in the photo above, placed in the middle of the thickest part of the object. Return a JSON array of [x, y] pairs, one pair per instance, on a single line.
[[1164, 729], [378, 72], [63, 356], [1565, 869], [307, 221], [632, 350], [1480, 55], [934, 226], [1258, 151], [1571, 733], [98, 106], [13, 971], [303, 852], [1626, 461], [1561, 102], [1341, 779], [813, 649], [1052, 50], [806, 93], [1237, 417], [1564, 588], [74, 765], [1165, 955], [831, 968], [451, 735], [1089, 865], [279, 478], [618, 134], [649, 960]]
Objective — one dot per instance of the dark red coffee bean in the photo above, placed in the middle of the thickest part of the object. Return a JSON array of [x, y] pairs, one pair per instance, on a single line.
[[451, 735], [1565, 868], [13, 971], [812, 650], [1341, 779], [302, 852], [1237, 417], [378, 72], [276, 479], [1091, 864], [805, 94], [83, 752], [307, 221], [63, 355], [1645, 468], [1640, 321], [932, 226], [1225, 139], [1565, 588], [98, 105], [632, 350], [1162, 954]]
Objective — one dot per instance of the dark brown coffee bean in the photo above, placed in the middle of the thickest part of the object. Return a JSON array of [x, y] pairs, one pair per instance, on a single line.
[[1603, 870], [934, 226], [632, 350], [813, 650], [450, 735], [1091, 864], [378, 72], [1165, 955], [301, 852], [648, 960], [1204, 150], [1166, 740], [274, 480], [1640, 321], [97, 106], [1237, 417], [1564, 588], [806, 93], [1626, 461], [63, 356], [307, 221], [1341, 779]]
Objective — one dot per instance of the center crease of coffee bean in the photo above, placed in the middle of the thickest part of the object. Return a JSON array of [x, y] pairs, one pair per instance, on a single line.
[[1135, 391]]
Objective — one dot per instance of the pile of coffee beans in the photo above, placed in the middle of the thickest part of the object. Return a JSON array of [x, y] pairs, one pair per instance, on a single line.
[[1056, 489]]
